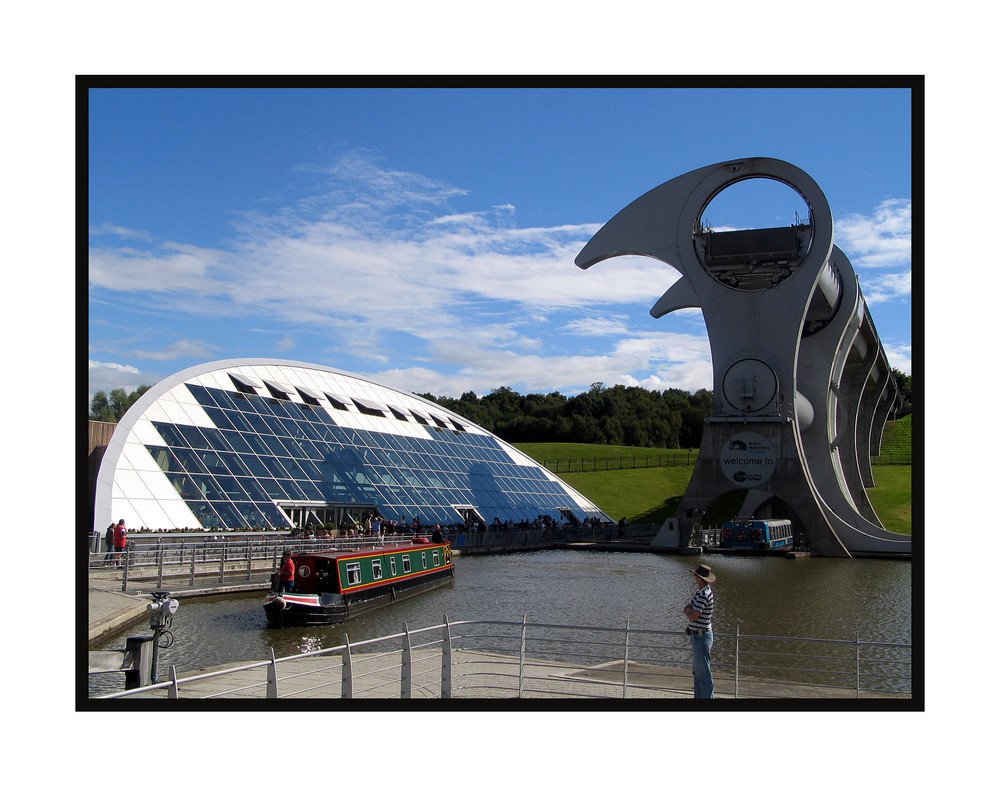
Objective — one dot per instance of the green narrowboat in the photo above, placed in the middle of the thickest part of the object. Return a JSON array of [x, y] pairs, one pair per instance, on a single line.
[[334, 586]]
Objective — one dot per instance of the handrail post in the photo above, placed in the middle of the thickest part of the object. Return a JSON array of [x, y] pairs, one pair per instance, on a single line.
[[159, 567], [736, 684], [857, 664], [272, 678], [222, 564], [446, 661], [406, 669], [524, 637], [172, 688], [625, 660], [194, 558], [128, 552], [347, 673]]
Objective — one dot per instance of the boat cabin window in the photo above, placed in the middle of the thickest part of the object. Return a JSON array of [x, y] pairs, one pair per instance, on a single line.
[[423, 559], [406, 564], [353, 573], [437, 559], [377, 568], [392, 565]]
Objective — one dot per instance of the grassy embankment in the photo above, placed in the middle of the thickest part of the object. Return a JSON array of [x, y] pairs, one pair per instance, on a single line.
[[652, 494]]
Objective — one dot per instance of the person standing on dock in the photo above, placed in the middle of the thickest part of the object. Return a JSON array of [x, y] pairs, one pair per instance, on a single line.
[[120, 539], [109, 542], [286, 574], [699, 614]]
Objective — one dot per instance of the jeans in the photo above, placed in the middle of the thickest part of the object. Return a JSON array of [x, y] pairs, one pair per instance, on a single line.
[[701, 664]]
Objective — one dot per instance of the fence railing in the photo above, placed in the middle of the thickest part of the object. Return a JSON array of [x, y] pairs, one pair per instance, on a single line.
[[517, 659], [583, 465], [666, 460], [176, 561]]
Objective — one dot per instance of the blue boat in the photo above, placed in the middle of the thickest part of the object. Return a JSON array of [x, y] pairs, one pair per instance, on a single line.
[[770, 534]]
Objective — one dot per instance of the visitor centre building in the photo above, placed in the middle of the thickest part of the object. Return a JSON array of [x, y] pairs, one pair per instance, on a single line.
[[263, 443]]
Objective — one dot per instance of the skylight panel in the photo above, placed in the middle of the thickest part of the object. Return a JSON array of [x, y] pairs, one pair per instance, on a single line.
[[243, 384], [308, 396], [278, 391]]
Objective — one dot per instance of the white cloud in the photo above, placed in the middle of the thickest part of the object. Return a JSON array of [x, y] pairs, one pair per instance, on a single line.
[[186, 348], [887, 287], [879, 240]]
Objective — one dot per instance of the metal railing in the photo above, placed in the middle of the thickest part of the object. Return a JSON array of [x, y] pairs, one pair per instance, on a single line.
[[517, 659], [176, 561], [180, 561]]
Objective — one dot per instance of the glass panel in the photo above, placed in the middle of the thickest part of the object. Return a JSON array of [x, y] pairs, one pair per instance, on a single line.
[[292, 468], [272, 516], [253, 488], [193, 436], [273, 489], [208, 487], [274, 445], [189, 460], [312, 470], [279, 426], [256, 445], [254, 465], [201, 395], [213, 462], [219, 418], [293, 448], [235, 439], [185, 487], [310, 450], [231, 487], [291, 490], [310, 430], [239, 421], [257, 424], [276, 468], [165, 459], [222, 398], [170, 434], [216, 439], [229, 515]]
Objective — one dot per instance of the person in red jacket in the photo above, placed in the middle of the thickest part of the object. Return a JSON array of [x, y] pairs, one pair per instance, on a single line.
[[286, 574], [120, 539]]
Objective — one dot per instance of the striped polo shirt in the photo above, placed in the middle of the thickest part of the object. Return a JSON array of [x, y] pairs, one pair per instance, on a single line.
[[703, 603]]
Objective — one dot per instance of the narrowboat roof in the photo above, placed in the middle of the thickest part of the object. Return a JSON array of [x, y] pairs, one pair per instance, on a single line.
[[334, 554]]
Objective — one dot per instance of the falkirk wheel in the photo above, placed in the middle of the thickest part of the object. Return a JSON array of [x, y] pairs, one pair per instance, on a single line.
[[802, 384]]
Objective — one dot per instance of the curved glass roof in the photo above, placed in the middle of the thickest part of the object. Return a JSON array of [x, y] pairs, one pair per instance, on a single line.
[[238, 444]]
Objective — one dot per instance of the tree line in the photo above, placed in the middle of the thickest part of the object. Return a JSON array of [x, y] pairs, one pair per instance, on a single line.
[[616, 415]]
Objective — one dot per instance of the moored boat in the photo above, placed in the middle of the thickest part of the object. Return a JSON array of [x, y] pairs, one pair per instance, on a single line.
[[758, 534], [338, 585]]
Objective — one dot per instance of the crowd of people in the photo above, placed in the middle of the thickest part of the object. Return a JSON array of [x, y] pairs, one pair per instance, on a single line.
[[375, 526]]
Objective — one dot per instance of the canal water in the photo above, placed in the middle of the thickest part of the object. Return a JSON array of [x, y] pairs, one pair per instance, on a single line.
[[826, 598]]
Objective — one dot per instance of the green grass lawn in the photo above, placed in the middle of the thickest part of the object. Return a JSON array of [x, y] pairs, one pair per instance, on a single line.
[[652, 494]]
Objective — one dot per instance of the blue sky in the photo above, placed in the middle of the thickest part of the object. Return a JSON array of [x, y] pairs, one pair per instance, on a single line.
[[426, 237]]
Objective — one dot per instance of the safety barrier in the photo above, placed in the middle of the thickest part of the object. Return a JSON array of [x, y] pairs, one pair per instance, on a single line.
[[176, 561], [511, 659]]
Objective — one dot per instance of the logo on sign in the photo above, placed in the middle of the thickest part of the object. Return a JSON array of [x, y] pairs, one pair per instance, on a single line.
[[748, 459]]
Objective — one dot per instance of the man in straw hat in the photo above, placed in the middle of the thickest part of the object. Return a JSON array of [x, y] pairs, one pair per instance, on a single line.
[[699, 614]]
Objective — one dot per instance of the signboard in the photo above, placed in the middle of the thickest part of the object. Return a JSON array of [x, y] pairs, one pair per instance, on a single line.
[[748, 459]]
